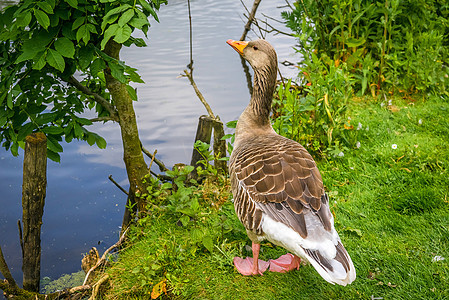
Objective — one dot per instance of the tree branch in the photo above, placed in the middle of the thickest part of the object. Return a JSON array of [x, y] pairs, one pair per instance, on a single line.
[[102, 119], [4, 269], [198, 93], [100, 100], [160, 164], [251, 18], [103, 257]]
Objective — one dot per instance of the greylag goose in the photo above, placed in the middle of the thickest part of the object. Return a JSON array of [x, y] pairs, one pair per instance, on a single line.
[[277, 188]]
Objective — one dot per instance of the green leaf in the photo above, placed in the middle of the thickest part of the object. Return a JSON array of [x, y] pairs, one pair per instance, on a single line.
[[40, 62], [55, 60], [138, 22], [117, 10], [126, 16], [110, 32], [83, 121], [45, 118], [123, 34], [146, 6], [96, 66], [65, 47], [196, 235], [25, 130], [107, 21], [72, 3], [101, 142], [78, 131], [53, 130], [25, 56], [208, 243], [352, 42], [41, 18], [85, 56], [78, 22], [24, 19], [118, 72], [53, 144], [54, 156], [231, 124], [184, 220], [9, 101], [90, 139], [132, 92], [45, 6], [83, 33]]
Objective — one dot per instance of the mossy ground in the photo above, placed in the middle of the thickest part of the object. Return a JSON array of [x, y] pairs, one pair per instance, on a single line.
[[389, 198]]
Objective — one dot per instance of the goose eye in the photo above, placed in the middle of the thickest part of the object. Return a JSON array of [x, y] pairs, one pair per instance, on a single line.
[[255, 48]]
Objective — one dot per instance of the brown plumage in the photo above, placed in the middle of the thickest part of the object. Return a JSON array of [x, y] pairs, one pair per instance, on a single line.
[[278, 190]]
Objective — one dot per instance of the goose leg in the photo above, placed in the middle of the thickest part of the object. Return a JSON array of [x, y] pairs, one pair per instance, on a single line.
[[285, 263], [251, 266]]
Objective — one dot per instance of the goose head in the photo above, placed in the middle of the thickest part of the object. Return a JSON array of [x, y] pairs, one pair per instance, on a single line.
[[259, 53], [262, 58]]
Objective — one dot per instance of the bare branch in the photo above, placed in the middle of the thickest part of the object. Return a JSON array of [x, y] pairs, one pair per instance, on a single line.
[[100, 100], [103, 257], [198, 93], [102, 119], [161, 165], [251, 18], [272, 28], [117, 185]]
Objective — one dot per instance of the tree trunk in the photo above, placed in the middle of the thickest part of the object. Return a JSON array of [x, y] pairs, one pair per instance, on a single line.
[[219, 147], [136, 167], [33, 200], [203, 133]]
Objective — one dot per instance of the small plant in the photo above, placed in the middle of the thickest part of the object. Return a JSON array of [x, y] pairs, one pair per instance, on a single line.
[[317, 116]]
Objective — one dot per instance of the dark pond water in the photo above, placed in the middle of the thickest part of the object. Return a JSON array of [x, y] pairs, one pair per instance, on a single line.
[[83, 208]]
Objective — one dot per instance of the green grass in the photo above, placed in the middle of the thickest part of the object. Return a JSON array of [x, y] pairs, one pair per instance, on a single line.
[[391, 211]]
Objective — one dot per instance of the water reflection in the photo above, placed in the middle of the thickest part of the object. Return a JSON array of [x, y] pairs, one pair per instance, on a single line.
[[82, 206]]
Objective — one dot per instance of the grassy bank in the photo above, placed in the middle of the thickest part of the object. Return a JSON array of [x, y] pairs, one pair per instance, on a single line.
[[389, 196]]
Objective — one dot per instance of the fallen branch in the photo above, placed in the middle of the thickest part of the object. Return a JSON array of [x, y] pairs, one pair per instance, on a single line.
[[96, 287], [102, 260]]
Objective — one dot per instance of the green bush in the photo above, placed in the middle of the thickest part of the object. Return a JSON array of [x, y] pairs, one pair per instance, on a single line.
[[389, 46]]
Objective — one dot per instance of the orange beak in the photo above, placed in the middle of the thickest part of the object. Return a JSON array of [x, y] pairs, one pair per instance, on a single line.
[[237, 45]]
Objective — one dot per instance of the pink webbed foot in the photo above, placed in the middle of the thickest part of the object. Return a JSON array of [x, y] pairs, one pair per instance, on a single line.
[[285, 263], [246, 266]]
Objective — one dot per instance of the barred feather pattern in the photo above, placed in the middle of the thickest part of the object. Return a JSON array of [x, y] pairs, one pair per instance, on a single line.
[[277, 176]]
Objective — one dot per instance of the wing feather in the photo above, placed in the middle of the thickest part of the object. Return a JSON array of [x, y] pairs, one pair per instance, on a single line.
[[280, 179]]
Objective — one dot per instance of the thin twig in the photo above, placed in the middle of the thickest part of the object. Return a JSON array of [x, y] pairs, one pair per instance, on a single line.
[[190, 65], [118, 185], [198, 93], [251, 18], [103, 257], [97, 98], [161, 165], [272, 29], [152, 159], [20, 235]]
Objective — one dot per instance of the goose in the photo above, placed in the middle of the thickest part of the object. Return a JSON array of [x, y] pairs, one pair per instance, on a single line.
[[278, 190]]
